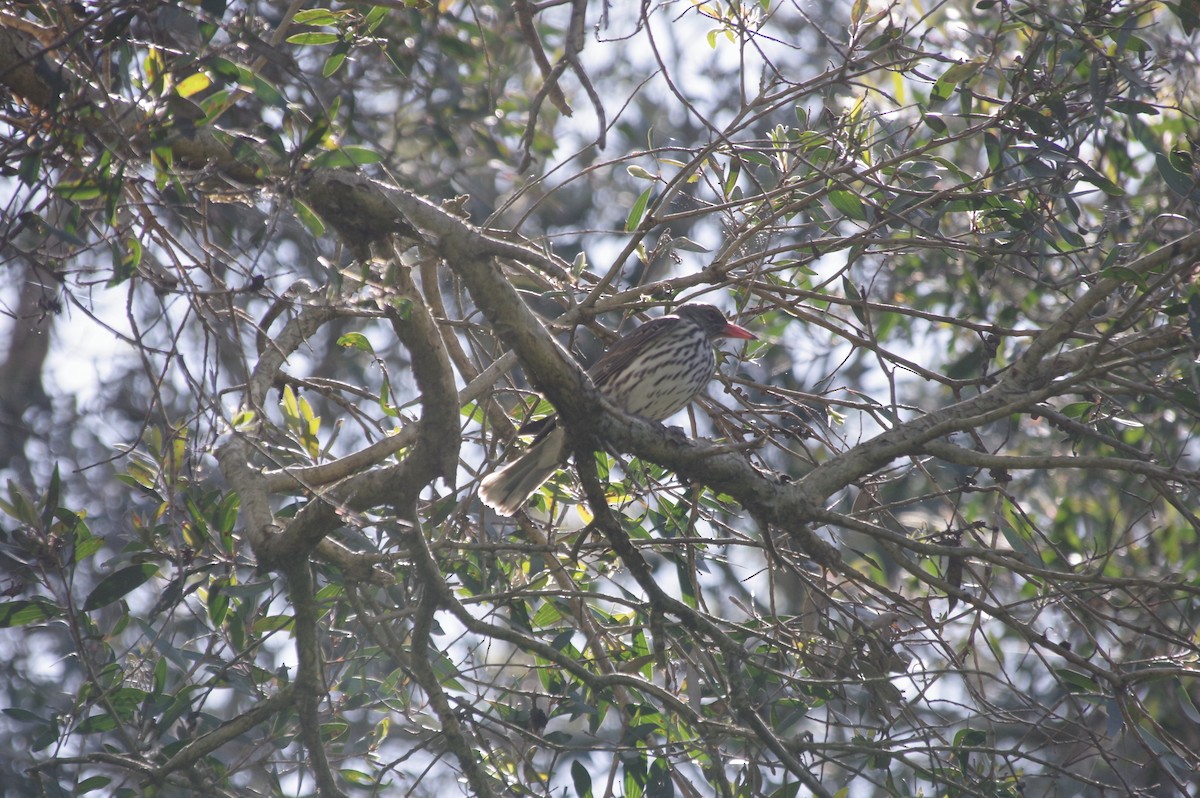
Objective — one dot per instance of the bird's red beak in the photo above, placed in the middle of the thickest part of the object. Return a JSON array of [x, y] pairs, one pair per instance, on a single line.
[[731, 330]]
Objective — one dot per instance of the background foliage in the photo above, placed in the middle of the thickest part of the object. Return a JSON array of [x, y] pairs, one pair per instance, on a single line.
[[270, 276]]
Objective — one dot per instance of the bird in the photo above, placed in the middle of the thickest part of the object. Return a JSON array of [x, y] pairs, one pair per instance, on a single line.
[[653, 372]]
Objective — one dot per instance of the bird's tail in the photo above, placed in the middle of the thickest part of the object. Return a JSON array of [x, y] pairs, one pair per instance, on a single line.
[[507, 490]]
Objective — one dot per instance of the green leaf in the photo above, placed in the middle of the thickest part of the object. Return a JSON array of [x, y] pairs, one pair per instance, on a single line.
[[30, 169], [291, 408], [1179, 182], [685, 244], [334, 62], [22, 715], [582, 779], [1076, 682], [272, 623], [119, 584], [125, 701], [226, 70], [308, 217], [970, 737], [1185, 702], [125, 261], [731, 180], [935, 122], [848, 203], [20, 613], [658, 780], [385, 399], [243, 419], [855, 296], [953, 77], [346, 157], [218, 604], [789, 790], [1133, 107], [357, 777], [53, 493], [93, 783], [97, 724], [994, 147], [635, 777], [78, 190], [193, 84], [356, 340], [313, 38], [1188, 12], [547, 616], [317, 134], [857, 11], [1089, 175], [316, 17], [266, 91], [19, 506], [638, 211], [375, 17]]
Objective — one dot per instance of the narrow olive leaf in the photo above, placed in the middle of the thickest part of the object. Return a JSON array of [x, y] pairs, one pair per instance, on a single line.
[[291, 408], [119, 584], [935, 122], [1076, 682], [1182, 184], [272, 623], [848, 203], [315, 38], [376, 17], [856, 12], [226, 513], [346, 157], [385, 400], [53, 494], [638, 211], [308, 217], [77, 190], [20, 613], [956, 75], [317, 133], [265, 91], [685, 244], [315, 16], [357, 777], [855, 296], [97, 724], [1089, 175], [92, 784], [334, 62]]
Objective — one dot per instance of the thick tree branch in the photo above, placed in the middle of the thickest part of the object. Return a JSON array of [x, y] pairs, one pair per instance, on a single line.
[[434, 451], [226, 733], [270, 363], [976, 459], [310, 687], [435, 595], [317, 476], [738, 694]]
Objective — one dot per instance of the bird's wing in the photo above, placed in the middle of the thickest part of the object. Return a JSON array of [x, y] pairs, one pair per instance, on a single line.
[[619, 355], [622, 353]]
